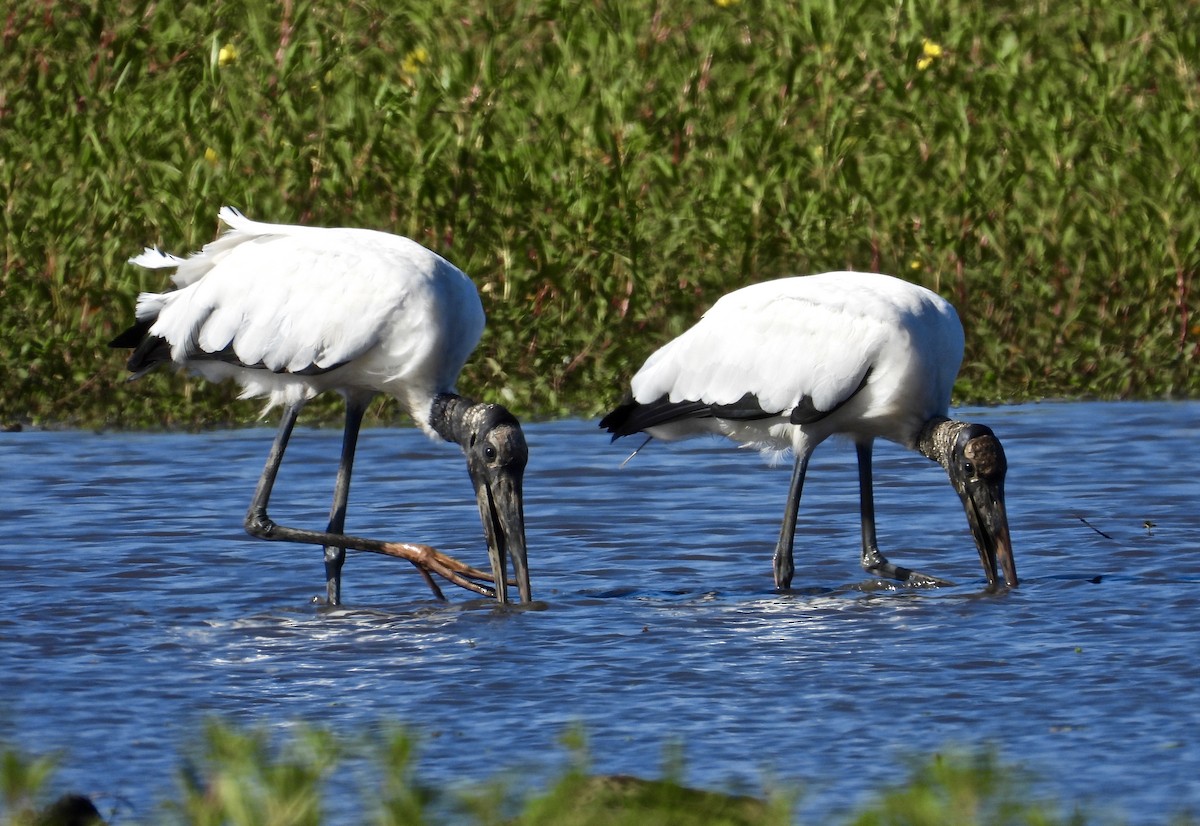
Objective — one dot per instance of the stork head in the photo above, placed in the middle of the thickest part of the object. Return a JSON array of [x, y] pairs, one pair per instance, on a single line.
[[496, 452], [976, 464]]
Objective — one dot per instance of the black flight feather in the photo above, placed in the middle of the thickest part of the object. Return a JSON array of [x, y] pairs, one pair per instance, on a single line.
[[150, 351]]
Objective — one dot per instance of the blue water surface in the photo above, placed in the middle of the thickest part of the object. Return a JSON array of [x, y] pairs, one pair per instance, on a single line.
[[135, 608]]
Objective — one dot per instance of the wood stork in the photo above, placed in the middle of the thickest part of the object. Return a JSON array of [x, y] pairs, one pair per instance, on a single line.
[[785, 364], [289, 312]]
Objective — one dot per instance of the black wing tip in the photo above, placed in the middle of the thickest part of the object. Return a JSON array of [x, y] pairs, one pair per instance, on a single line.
[[615, 420], [632, 416], [148, 351], [133, 336]]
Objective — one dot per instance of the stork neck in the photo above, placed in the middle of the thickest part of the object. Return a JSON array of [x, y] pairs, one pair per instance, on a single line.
[[936, 439], [448, 417]]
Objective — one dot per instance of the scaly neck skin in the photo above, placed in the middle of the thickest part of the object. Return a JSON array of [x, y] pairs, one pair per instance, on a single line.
[[449, 415], [936, 439]]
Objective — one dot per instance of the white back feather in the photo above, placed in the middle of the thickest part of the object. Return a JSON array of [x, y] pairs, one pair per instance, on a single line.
[[398, 317], [816, 337]]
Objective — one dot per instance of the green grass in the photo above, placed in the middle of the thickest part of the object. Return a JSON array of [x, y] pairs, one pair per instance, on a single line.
[[236, 777], [605, 170]]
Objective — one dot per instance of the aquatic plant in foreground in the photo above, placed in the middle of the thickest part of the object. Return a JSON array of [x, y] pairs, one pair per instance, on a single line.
[[241, 778]]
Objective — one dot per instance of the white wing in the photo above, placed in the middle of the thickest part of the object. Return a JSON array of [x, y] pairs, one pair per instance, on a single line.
[[806, 341], [303, 300], [191, 269]]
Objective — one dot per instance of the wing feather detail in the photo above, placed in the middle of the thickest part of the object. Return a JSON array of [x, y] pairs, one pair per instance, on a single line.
[[784, 348], [306, 300]]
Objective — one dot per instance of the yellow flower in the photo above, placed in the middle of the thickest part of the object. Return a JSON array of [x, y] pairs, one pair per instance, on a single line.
[[724, 4], [914, 264], [210, 155], [414, 60], [930, 52], [227, 55]]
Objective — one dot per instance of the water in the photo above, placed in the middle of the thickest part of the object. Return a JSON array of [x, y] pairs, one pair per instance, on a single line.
[[135, 608]]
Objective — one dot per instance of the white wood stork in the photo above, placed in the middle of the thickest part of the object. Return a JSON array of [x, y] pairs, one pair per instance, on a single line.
[[289, 312], [785, 364]]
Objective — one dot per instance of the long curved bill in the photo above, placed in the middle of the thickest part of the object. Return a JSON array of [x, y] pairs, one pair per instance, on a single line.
[[502, 509], [989, 524]]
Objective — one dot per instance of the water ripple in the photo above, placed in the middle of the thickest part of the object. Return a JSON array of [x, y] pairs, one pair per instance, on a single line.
[[136, 607]]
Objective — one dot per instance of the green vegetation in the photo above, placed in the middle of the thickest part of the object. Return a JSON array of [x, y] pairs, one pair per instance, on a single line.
[[605, 170], [240, 778]]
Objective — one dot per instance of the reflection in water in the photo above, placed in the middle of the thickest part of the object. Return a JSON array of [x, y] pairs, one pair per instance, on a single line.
[[135, 607]]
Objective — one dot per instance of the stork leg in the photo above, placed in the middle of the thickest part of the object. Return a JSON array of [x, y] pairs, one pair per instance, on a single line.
[[784, 567], [257, 522], [334, 557], [873, 561], [427, 560]]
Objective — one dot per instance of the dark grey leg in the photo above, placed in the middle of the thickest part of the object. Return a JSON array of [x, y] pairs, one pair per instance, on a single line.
[[873, 561], [784, 566], [426, 559], [257, 522], [335, 556], [871, 557]]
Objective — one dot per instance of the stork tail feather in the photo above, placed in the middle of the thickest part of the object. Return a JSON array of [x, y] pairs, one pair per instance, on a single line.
[[633, 417], [148, 351]]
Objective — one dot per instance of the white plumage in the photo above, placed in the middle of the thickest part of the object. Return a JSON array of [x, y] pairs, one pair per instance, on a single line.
[[785, 364], [812, 340], [303, 310], [290, 312]]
